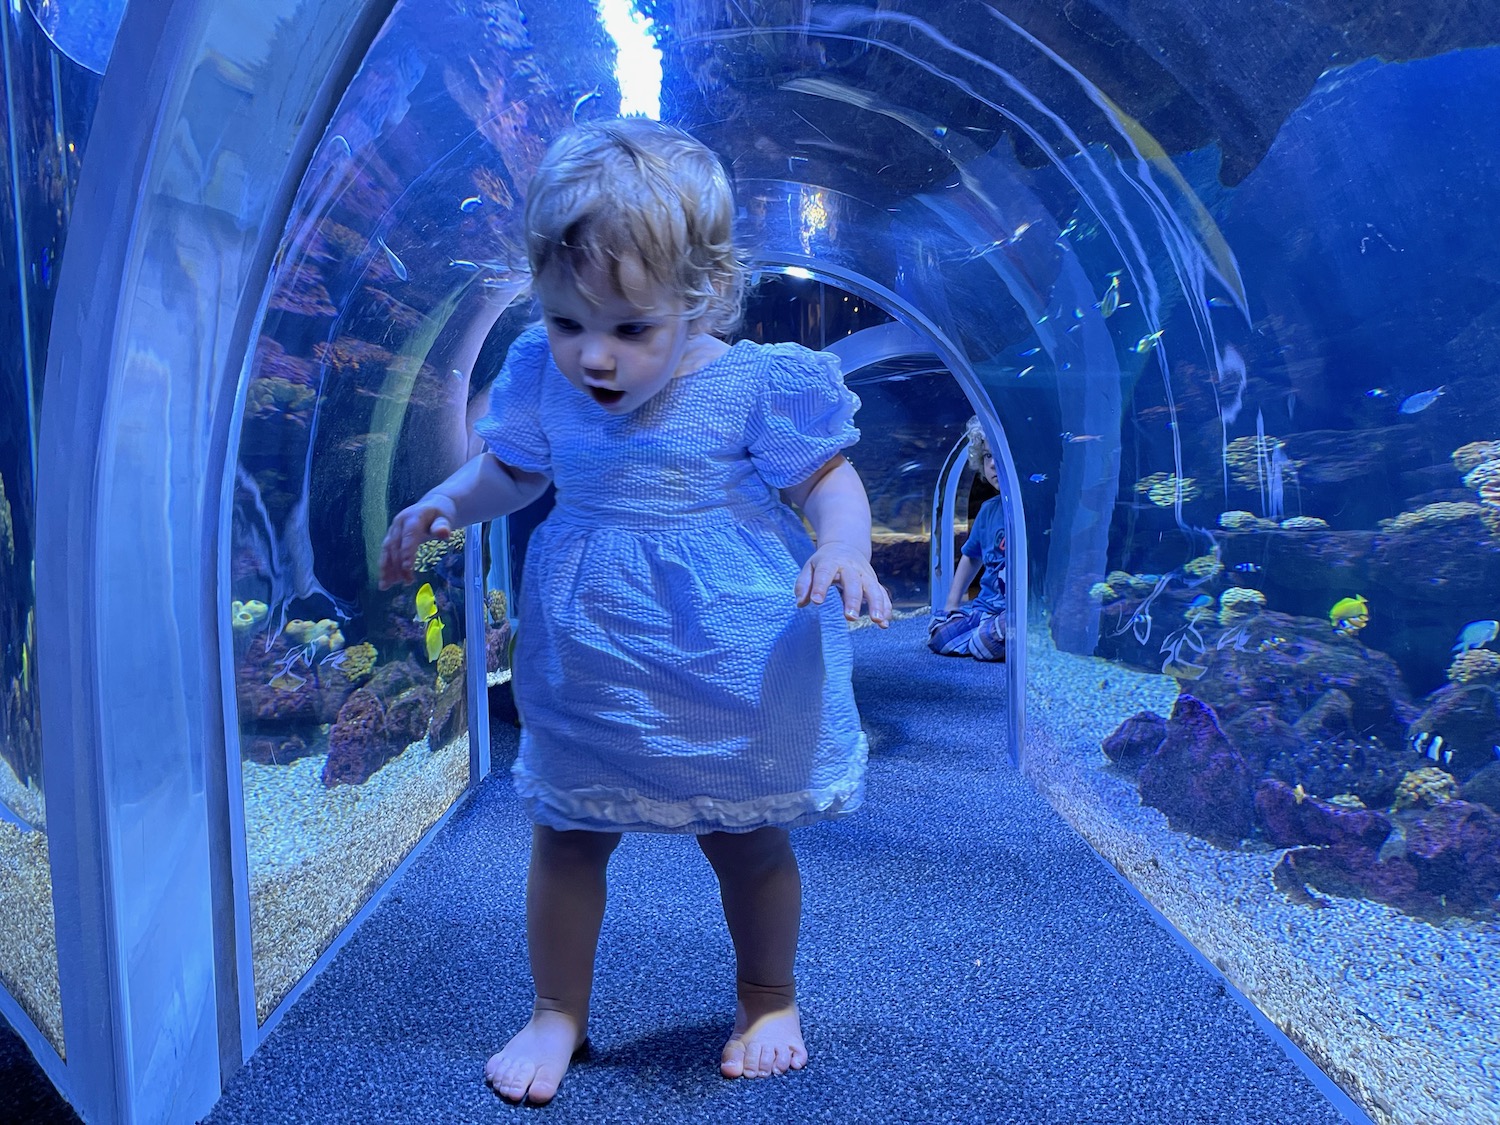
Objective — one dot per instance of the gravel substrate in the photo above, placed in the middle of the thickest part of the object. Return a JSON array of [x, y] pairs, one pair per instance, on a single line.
[[316, 853], [1400, 1012], [28, 935]]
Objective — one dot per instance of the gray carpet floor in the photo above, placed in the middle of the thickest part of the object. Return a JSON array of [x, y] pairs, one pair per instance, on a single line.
[[965, 958]]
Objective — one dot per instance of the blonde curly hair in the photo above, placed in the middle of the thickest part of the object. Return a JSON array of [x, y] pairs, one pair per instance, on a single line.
[[978, 444], [610, 194]]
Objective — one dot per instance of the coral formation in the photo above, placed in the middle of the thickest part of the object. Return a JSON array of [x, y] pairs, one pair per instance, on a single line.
[[449, 661], [1204, 566], [1425, 788], [431, 551], [1303, 523], [1241, 520], [1474, 664], [301, 290], [1163, 489], [1432, 515], [1468, 457], [495, 607], [246, 615], [274, 397], [359, 662], [1247, 457], [1103, 592], [1238, 603]]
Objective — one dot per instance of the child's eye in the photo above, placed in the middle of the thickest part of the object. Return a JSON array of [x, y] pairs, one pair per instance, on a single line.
[[563, 324], [633, 331]]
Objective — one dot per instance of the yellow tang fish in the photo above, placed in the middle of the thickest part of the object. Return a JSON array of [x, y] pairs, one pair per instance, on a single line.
[[426, 603], [1349, 615], [434, 638]]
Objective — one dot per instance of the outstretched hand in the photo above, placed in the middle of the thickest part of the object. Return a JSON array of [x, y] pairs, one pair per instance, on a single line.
[[432, 517], [835, 564]]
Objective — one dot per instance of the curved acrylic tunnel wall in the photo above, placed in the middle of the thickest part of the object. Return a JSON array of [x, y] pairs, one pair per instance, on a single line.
[[1197, 313]]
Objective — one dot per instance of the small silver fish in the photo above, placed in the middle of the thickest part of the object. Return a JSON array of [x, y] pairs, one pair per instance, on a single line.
[[462, 264], [1149, 341], [1421, 401], [398, 267], [1030, 352], [1025, 371], [1037, 478], [473, 203], [1110, 302]]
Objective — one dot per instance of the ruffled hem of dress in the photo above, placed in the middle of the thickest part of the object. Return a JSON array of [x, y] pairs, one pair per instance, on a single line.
[[602, 809]]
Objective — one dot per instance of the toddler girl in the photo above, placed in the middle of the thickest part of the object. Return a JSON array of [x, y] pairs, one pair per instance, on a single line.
[[978, 629], [678, 664]]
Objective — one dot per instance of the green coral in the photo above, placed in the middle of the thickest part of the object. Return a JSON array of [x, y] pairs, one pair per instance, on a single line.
[[449, 661], [495, 606], [1425, 788], [359, 662], [1474, 664], [431, 551]]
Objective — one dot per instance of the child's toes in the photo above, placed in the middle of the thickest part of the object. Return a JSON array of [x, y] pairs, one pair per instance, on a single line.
[[732, 1061]]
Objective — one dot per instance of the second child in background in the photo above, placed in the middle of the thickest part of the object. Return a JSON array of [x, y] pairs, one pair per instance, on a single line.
[[978, 628]]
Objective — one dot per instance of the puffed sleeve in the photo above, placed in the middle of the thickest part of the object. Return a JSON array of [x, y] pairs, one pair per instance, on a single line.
[[512, 427], [802, 417]]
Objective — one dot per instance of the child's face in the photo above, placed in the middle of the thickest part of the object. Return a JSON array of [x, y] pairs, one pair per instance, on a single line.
[[991, 473], [621, 349]]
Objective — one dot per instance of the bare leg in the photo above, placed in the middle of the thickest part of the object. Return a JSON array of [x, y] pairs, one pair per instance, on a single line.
[[564, 909], [762, 893]]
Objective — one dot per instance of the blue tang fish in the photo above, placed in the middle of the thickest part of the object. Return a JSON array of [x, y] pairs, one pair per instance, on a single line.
[[1476, 634], [1421, 401]]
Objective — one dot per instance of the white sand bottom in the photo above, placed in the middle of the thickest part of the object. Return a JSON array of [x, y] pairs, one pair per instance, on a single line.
[[316, 854], [1401, 1013]]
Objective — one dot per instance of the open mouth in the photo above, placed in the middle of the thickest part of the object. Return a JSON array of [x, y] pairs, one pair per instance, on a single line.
[[606, 397]]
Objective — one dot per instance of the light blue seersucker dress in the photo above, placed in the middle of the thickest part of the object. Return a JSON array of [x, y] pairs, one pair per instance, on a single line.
[[666, 679]]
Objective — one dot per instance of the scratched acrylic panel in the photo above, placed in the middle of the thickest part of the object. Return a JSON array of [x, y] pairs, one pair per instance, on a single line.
[[394, 270], [49, 108]]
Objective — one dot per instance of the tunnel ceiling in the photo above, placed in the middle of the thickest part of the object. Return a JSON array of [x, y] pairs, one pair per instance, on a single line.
[[1193, 74]]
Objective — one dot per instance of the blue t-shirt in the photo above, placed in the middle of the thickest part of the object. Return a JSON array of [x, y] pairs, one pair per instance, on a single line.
[[986, 543]]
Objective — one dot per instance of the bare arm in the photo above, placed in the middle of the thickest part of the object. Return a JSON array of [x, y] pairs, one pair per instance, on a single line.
[[483, 488], [833, 500], [963, 574]]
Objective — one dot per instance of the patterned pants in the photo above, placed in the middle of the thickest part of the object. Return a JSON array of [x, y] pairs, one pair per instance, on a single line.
[[970, 631]]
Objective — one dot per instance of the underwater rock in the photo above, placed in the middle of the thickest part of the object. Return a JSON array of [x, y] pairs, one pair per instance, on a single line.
[[1367, 769], [1135, 738], [1458, 559], [1290, 660], [357, 743], [1197, 778], [274, 749], [1467, 718], [1330, 718], [1455, 850], [1484, 787], [1351, 871], [1290, 819], [449, 716], [407, 716], [497, 646], [1259, 736]]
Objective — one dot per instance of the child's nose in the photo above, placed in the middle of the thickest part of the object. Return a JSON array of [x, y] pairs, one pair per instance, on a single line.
[[596, 355]]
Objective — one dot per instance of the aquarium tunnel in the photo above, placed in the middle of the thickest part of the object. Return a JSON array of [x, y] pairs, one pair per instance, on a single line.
[[1218, 283]]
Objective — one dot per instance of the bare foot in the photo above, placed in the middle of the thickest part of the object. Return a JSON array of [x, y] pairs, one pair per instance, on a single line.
[[767, 1036], [531, 1066]]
